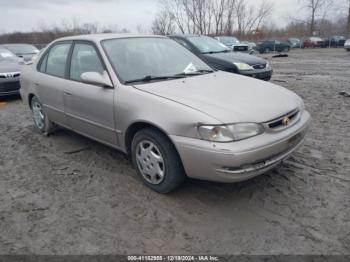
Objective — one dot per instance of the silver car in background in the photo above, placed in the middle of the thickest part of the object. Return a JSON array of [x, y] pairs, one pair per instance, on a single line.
[[25, 51], [152, 98], [347, 45], [10, 70]]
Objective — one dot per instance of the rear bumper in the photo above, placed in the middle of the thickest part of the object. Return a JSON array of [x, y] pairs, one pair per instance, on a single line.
[[9, 86], [242, 160]]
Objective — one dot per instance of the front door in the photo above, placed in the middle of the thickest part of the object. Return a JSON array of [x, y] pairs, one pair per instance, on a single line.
[[89, 108]]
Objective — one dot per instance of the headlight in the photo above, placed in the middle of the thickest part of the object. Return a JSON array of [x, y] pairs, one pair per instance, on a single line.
[[267, 65], [229, 133], [243, 66]]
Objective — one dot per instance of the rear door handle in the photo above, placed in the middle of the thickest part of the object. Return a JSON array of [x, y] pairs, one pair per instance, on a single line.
[[68, 94]]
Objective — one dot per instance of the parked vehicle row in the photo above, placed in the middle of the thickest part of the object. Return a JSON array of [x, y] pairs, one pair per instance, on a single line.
[[154, 99]]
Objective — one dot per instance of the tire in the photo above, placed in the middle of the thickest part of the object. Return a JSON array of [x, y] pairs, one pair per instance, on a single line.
[[40, 118], [286, 49], [267, 50], [156, 161]]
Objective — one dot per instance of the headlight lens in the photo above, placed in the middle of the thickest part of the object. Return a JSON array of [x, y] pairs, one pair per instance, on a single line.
[[229, 133], [243, 66]]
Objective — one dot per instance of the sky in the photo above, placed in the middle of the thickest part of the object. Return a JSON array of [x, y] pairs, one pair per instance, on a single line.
[[28, 15]]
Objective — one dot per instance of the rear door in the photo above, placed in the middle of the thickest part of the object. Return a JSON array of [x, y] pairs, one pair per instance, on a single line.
[[50, 81], [89, 108]]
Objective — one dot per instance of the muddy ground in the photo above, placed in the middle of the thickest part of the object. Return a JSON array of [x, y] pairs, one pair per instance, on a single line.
[[57, 201]]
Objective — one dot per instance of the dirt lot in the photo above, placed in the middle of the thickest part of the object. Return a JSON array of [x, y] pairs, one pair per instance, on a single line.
[[57, 201]]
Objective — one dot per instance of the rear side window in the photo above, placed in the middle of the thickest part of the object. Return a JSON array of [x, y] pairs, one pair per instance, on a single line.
[[43, 64], [57, 59], [84, 59]]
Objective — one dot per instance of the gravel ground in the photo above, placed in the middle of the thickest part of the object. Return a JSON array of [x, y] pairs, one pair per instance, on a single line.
[[57, 201]]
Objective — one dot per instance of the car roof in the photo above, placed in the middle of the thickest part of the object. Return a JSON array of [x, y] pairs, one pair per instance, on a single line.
[[19, 44], [186, 35], [100, 37]]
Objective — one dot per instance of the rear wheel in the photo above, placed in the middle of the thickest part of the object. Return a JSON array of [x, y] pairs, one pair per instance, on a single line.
[[41, 120], [157, 161]]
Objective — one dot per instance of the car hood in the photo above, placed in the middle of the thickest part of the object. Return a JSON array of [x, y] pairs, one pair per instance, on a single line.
[[6, 67], [228, 97], [237, 57]]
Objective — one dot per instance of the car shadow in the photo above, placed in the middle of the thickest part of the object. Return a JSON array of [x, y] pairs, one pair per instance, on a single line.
[[111, 159]]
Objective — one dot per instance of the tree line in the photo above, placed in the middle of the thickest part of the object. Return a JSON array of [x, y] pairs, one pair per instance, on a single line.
[[244, 20], [214, 17]]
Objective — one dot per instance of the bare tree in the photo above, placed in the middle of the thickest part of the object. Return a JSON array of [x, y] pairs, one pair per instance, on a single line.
[[317, 9], [249, 18], [163, 24]]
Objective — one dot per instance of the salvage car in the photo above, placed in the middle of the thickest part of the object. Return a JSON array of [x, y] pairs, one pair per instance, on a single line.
[[25, 51], [347, 45], [312, 42], [10, 70], [153, 99], [273, 46], [233, 43], [222, 58]]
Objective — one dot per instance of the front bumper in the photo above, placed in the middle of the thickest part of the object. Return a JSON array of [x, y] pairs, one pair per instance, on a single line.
[[9, 86], [263, 74], [241, 160]]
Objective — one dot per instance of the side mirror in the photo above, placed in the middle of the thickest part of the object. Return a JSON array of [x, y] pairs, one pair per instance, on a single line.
[[95, 78]]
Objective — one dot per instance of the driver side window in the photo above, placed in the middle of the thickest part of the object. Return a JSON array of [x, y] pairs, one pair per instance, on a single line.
[[84, 59]]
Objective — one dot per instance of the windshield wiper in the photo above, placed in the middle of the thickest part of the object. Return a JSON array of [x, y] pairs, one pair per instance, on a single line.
[[194, 73], [153, 78], [216, 52]]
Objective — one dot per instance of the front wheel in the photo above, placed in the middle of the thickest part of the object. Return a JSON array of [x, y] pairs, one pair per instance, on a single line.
[[157, 161], [41, 120]]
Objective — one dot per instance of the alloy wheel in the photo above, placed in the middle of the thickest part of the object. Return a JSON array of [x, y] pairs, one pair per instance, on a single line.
[[150, 162]]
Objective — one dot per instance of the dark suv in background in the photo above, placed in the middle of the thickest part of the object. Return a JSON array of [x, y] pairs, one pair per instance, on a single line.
[[273, 46]]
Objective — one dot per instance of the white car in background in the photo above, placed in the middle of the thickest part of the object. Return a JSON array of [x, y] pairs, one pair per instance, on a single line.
[[233, 43]]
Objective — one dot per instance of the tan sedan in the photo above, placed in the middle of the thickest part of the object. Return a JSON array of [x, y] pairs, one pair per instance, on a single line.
[[152, 98]]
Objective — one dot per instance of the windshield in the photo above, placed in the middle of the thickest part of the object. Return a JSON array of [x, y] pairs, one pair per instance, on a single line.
[[7, 56], [207, 44], [22, 49], [227, 40], [137, 58]]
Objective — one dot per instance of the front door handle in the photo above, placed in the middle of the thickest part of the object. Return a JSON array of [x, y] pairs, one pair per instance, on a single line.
[[68, 94]]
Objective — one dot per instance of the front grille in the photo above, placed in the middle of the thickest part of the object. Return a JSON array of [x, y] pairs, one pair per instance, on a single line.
[[277, 123], [261, 66], [240, 48], [9, 86], [4, 75]]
